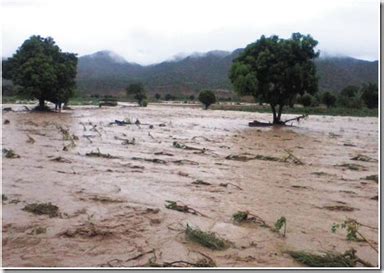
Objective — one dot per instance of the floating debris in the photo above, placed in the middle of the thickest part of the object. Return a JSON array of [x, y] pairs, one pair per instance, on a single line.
[[365, 158], [88, 230], [182, 208], [352, 167], [153, 160], [373, 177], [339, 208], [247, 217], [226, 185], [200, 182], [163, 153], [207, 239], [30, 139], [42, 209], [282, 221], [9, 153], [185, 147], [99, 154], [61, 159], [348, 259], [244, 158]]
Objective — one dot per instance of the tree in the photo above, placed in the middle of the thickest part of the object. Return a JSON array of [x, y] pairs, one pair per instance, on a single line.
[[42, 70], [328, 99], [275, 70], [306, 100], [192, 97], [370, 95], [350, 97], [157, 96], [207, 97], [169, 97], [138, 92]]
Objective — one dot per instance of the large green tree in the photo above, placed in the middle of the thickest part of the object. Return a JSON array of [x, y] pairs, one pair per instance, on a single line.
[[42, 70], [275, 70]]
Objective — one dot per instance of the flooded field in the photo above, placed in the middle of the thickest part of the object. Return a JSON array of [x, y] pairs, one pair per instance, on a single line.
[[110, 183]]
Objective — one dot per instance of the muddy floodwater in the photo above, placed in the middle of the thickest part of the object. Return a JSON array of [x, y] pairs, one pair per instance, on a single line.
[[110, 183]]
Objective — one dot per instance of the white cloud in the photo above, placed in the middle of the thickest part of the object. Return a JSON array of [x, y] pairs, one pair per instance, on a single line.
[[149, 31]]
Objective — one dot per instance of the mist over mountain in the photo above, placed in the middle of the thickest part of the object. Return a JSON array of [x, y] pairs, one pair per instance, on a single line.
[[105, 72]]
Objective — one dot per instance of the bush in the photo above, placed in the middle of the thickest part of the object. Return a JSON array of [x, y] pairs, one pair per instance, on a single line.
[[144, 103], [328, 99], [370, 95], [169, 97], [207, 97], [306, 100]]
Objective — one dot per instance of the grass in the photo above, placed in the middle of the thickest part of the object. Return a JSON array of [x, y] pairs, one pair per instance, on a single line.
[[207, 239], [333, 111]]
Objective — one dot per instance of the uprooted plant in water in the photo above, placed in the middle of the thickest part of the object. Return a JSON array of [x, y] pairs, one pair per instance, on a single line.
[[207, 239], [247, 217], [282, 221], [353, 233], [182, 208], [9, 153], [43, 209], [329, 259]]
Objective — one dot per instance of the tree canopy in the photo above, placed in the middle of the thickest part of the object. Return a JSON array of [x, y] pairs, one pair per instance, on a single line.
[[370, 95], [207, 97], [275, 70], [138, 92], [42, 70]]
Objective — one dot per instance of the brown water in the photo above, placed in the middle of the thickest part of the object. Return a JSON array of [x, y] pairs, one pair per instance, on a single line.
[[125, 196]]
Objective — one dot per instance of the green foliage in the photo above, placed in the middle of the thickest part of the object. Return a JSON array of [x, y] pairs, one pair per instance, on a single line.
[[348, 259], [42, 70], [352, 228], [370, 95], [207, 97], [137, 91], [157, 96], [275, 70], [350, 97], [207, 239], [192, 97], [144, 103], [282, 221], [328, 99], [306, 100], [240, 216]]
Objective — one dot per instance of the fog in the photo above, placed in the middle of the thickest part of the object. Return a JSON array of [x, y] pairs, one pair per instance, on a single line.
[[150, 31]]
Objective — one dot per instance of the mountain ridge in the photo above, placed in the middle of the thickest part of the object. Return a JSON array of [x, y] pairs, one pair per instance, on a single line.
[[105, 72]]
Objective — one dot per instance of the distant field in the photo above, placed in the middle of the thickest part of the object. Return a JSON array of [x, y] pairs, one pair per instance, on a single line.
[[232, 106]]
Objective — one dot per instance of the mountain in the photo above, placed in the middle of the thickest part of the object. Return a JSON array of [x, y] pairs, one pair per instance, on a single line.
[[105, 72]]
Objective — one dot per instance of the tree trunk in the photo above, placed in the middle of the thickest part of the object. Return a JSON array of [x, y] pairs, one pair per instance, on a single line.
[[41, 103], [274, 114], [279, 114]]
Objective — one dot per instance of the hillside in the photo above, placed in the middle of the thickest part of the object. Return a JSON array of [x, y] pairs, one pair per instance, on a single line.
[[107, 73]]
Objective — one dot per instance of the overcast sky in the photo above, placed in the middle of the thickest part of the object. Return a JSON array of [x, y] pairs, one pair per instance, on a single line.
[[150, 31]]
